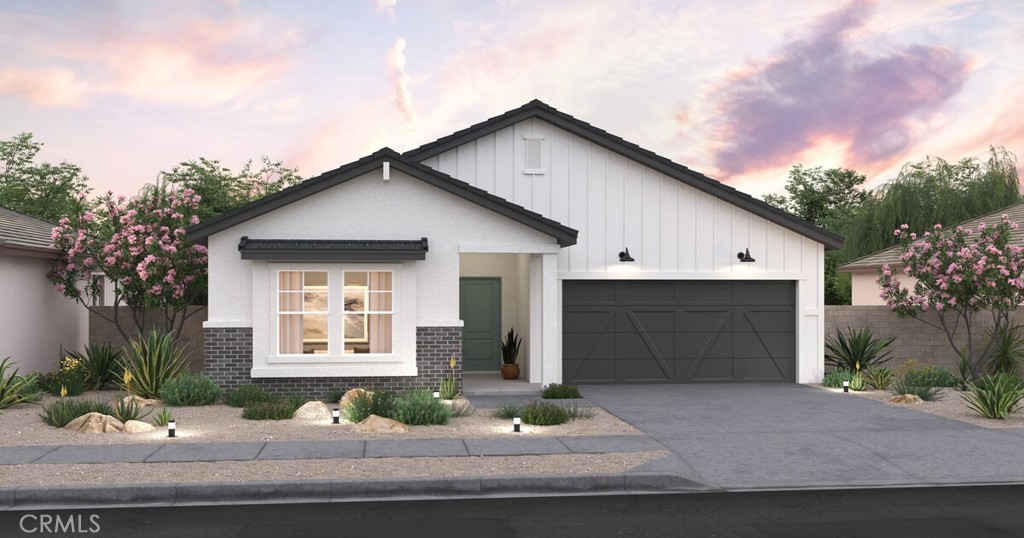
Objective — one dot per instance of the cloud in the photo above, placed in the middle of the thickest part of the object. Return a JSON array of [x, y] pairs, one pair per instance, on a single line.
[[822, 90], [394, 61], [49, 86], [388, 6]]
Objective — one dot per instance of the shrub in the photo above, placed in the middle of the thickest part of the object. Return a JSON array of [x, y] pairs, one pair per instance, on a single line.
[[1007, 349], [68, 380], [544, 414], [930, 376], [448, 389], [244, 394], [963, 374], [151, 362], [926, 393], [419, 408], [857, 382], [125, 410], [190, 389], [995, 396], [855, 351], [880, 377], [99, 363], [15, 389], [575, 412], [60, 412], [276, 409], [507, 411], [556, 391], [335, 395], [380, 403], [162, 418], [835, 378]]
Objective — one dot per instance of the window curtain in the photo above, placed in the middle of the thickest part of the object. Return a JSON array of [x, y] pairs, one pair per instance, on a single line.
[[290, 328], [379, 325]]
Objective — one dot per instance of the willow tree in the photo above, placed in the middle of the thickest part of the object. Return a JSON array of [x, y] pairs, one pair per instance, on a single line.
[[932, 192]]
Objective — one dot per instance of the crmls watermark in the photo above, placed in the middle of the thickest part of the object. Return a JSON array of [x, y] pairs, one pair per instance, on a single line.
[[59, 524]]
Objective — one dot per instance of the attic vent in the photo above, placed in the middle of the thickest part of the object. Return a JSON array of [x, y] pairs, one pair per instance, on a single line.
[[534, 158]]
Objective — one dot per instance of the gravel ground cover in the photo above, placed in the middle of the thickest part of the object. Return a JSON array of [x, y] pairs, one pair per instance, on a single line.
[[950, 406]]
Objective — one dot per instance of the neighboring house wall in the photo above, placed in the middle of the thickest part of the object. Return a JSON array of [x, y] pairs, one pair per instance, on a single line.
[[36, 321], [914, 339], [865, 290], [427, 329], [103, 331], [674, 231]]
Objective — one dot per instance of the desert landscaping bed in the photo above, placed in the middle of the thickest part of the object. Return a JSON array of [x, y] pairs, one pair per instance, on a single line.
[[950, 406]]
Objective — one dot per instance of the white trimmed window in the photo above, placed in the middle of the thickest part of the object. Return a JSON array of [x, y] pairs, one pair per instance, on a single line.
[[369, 312], [302, 313]]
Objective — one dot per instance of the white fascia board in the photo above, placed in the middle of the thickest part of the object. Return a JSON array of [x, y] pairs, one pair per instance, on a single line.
[[507, 248]]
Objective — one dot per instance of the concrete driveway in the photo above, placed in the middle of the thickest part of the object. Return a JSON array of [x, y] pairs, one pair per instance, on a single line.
[[756, 436]]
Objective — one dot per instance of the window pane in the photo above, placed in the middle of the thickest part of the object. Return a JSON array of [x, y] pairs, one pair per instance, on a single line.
[[355, 300], [355, 278], [289, 281], [380, 302], [315, 301], [316, 278], [379, 280], [379, 332], [355, 327], [290, 334], [289, 302]]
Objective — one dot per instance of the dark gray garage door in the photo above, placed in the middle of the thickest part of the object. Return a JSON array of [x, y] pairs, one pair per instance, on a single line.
[[677, 331]]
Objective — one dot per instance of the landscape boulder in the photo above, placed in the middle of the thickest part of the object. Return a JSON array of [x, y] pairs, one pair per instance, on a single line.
[[139, 400], [905, 399], [377, 424], [95, 423], [313, 411], [349, 396], [137, 426]]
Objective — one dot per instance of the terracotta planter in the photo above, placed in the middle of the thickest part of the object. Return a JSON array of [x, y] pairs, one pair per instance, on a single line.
[[510, 371]]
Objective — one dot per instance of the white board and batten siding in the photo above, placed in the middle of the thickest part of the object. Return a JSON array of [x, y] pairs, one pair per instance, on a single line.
[[673, 230]]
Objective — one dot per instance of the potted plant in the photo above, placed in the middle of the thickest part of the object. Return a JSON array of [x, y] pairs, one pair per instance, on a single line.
[[509, 354]]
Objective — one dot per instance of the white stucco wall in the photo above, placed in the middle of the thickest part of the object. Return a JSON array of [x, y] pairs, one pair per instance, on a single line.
[[674, 231], [363, 208], [36, 321]]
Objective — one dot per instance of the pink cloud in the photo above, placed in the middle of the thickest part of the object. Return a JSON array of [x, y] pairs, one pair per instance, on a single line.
[[394, 61], [823, 88], [48, 86]]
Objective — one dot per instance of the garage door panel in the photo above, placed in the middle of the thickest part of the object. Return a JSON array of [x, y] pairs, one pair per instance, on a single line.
[[649, 292], [596, 320], [648, 370], [590, 371], [678, 331], [589, 346]]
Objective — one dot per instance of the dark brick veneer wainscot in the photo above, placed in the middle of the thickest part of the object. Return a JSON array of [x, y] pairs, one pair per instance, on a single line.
[[229, 360]]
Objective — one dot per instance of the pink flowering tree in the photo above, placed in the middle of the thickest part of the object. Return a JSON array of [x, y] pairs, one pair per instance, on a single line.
[[959, 273], [139, 244]]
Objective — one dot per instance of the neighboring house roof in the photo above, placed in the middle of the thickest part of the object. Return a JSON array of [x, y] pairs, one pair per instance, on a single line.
[[563, 234], [891, 255], [19, 231], [313, 250], [538, 109]]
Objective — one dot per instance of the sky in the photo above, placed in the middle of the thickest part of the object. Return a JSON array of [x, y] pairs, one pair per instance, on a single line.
[[740, 90]]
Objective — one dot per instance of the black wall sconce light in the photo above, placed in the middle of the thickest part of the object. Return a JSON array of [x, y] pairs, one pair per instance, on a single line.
[[625, 257], [745, 256]]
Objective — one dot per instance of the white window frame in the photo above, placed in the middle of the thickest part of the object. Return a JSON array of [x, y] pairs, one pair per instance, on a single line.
[[278, 312]]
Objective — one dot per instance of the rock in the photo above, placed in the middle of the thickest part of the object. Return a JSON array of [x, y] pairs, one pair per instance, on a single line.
[[313, 411], [905, 399], [349, 396], [376, 424], [140, 401], [137, 426], [95, 423]]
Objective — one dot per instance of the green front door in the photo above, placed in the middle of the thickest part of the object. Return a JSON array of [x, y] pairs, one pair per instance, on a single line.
[[480, 310]]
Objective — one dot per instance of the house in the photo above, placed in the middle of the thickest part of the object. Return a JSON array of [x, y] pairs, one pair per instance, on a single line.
[[864, 271], [616, 265], [36, 321]]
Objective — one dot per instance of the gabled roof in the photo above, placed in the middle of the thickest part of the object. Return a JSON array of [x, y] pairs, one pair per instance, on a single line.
[[23, 232], [563, 234], [891, 255], [542, 111], [315, 250]]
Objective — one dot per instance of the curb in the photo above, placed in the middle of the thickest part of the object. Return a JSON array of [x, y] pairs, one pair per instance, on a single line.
[[107, 495]]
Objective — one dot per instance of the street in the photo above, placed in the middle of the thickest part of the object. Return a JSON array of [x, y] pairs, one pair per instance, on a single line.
[[905, 513]]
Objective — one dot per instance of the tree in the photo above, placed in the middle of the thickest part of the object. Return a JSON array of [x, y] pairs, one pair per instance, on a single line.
[[828, 198], [222, 190], [139, 244], [44, 190], [929, 192], [958, 276]]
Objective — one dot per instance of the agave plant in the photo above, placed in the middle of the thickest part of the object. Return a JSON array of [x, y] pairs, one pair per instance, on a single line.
[[858, 350], [99, 362], [1007, 349], [995, 396], [15, 389], [152, 361]]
